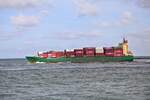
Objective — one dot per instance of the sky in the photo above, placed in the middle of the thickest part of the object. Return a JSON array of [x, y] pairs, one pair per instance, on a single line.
[[29, 26]]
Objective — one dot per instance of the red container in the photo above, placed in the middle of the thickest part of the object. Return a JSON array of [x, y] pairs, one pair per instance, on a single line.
[[108, 48], [43, 55], [90, 51], [109, 54], [69, 53], [118, 52], [90, 55], [56, 54], [89, 48], [118, 55], [60, 53], [78, 52], [109, 51], [100, 54]]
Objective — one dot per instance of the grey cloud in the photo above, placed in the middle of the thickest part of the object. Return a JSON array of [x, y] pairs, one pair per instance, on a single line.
[[84, 7], [141, 34], [24, 21], [139, 3], [126, 18], [19, 4], [139, 41], [71, 35], [78, 35], [144, 3], [6, 36]]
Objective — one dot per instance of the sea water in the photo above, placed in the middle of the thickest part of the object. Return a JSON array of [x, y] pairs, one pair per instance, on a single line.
[[20, 80]]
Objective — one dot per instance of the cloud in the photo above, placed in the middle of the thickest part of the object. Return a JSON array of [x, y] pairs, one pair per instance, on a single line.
[[139, 3], [6, 35], [23, 3], [126, 18], [84, 7], [24, 21], [44, 12], [139, 41], [141, 34], [144, 3], [71, 35], [78, 35]]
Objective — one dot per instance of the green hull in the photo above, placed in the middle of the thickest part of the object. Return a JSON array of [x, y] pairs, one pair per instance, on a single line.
[[34, 59]]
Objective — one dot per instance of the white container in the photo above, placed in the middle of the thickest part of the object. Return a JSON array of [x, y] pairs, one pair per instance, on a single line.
[[69, 49], [99, 50], [40, 52]]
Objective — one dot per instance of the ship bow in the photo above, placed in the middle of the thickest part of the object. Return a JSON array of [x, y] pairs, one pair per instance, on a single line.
[[31, 59]]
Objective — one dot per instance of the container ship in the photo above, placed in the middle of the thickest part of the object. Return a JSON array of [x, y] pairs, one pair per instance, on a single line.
[[117, 53]]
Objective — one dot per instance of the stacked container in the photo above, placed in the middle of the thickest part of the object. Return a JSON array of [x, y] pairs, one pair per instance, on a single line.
[[89, 51], [43, 54], [78, 52], [99, 51], [69, 53], [55, 54], [108, 51], [118, 52]]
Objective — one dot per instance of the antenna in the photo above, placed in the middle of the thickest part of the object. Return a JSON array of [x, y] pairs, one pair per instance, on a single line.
[[123, 36], [124, 40]]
